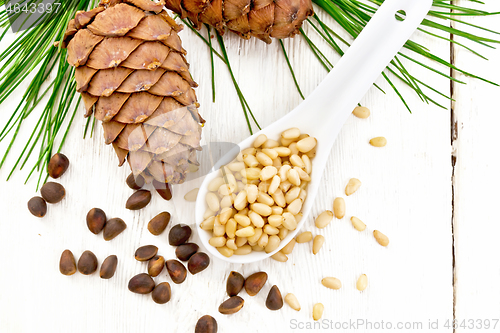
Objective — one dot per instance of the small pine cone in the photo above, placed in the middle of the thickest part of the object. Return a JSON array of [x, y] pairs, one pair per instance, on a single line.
[[259, 18], [131, 72]]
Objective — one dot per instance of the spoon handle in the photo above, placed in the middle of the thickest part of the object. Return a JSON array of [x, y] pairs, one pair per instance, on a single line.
[[327, 108]]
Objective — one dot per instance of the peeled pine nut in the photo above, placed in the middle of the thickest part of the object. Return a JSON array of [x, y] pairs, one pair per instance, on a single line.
[[231, 245], [277, 210], [279, 198], [307, 144], [352, 186], [302, 174], [275, 183], [292, 301], [295, 160], [270, 230], [219, 229], [293, 177], [236, 166], [245, 232], [250, 160], [227, 201], [272, 153], [288, 248], [253, 239], [304, 237], [261, 209], [332, 283], [293, 148], [244, 249], [259, 141], [225, 214], [291, 134], [264, 186], [264, 159], [217, 241], [265, 199], [272, 244], [361, 112], [275, 220], [303, 195], [231, 228], [270, 143], [283, 172], [208, 213], [285, 186], [289, 221], [298, 217], [268, 172], [302, 136], [240, 202], [263, 240], [362, 282], [379, 141], [339, 207], [225, 251], [226, 189], [191, 195], [292, 194], [257, 248], [283, 232], [248, 151], [286, 142], [318, 243], [295, 206], [307, 164], [208, 224], [277, 163], [212, 201], [358, 224], [242, 220], [279, 256], [381, 238], [215, 184], [256, 219], [318, 309], [282, 151], [324, 219], [252, 192], [240, 241]]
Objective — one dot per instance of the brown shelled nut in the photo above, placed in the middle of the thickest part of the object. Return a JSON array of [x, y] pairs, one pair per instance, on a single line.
[[53, 192], [159, 223], [108, 267], [113, 228], [87, 264], [37, 206], [163, 189], [198, 262], [231, 305], [176, 270], [161, 293], [146, 252], [255, 282], [67, 263], [155, 265], [235, 282], [274, 299], [186, 250], [135, 182], [179, 234], [206, 324], [138, 200], [57, 165], [96, 219], [141, 284]]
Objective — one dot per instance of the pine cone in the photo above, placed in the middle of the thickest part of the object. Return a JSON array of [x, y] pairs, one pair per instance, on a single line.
[[259, 18], [132, 74]]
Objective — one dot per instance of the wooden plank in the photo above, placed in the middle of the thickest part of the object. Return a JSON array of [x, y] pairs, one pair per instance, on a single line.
[[406, 193], [476, 179]]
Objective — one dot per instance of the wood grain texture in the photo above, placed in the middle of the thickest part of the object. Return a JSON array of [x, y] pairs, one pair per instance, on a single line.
[[406, 194]]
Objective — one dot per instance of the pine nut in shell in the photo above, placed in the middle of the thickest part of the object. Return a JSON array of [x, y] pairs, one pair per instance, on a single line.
[[292, 301], [381, 238], [352, 186], [324, 219], [361, 112], [318, 309], [339, 207], [362, 282], [332, 283], [304, 237], [357, 224], [318, 242], [379, 141]]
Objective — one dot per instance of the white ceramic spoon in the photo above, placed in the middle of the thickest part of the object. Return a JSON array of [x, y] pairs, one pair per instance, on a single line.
[[323, 113]]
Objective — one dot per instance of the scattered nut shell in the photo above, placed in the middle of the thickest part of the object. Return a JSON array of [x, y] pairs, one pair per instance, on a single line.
[[234, 284], [231, 305], [87, 264], [339, 207], [176, 270], [352, 186], [192, 195], [37, 206], [206, 324], [108, 267], [255, 282], [146, 252], [361, 112], [161, 293], [332, 283], [318, 309], [113, 228], [67, 264], [379, 141], [292, 301], [141, 284], [159, 223], [96, 219], [318, 243], [357, 224], [362, 282], [53, 192], [381, 238]]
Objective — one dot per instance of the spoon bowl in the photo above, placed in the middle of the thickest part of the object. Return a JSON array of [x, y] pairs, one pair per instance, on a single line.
[[322, 114]]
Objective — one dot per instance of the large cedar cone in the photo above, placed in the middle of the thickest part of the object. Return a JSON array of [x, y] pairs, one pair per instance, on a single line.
[[132, 74], [259, 18]]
